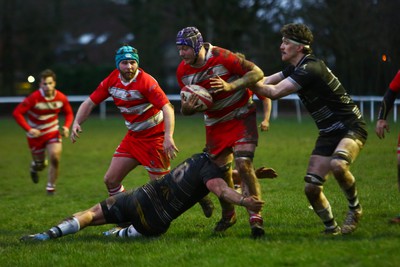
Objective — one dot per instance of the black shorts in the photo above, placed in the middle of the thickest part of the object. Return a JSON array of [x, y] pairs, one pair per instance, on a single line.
[[136, 208], [327, 143], [118, 208]]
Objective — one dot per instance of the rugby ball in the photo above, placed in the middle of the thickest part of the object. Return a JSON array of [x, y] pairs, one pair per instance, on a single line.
[[205, 99]]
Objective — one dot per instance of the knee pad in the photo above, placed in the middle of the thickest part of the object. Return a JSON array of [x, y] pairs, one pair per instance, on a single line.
[[244, 160], [244, 154], [314, 179], [342, 155]]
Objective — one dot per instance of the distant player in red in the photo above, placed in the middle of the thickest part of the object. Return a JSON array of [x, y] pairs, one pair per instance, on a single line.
[[148, 114], [42, 126], [231, 126], [382, 125]]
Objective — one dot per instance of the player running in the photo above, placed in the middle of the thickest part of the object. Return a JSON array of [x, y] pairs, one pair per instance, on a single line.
[[42, 108], [149, 118]]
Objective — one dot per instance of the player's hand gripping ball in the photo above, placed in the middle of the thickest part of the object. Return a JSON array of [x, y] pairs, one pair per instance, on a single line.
[[205, 100]]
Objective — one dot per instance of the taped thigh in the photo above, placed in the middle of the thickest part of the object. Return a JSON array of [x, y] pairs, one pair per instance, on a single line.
[[244, 154], [342, 155]]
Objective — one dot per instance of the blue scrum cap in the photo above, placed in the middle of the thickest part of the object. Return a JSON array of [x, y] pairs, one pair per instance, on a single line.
[[126, 52], [190, 36]]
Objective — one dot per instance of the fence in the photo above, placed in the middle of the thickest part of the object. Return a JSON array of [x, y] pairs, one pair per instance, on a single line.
[[363, 102]]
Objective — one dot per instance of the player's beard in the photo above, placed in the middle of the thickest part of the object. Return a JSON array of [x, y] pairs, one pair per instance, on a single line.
[[128, 75]]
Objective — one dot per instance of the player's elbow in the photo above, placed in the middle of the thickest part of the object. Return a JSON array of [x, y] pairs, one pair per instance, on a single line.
[[258, 73], [274, 96], [16, 114]]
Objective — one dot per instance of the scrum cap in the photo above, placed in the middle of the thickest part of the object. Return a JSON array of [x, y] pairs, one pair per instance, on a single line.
[[190, 36], [126, 52]]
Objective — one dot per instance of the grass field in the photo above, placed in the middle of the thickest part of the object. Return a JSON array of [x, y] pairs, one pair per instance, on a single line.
[[292, 229]]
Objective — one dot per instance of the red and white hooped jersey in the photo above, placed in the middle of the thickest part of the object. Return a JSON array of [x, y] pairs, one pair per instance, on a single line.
[[228, 66], [42, 112], [139, 101]]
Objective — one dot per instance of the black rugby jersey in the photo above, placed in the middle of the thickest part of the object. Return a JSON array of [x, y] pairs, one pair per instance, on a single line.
[[323, 95], [159, 202]]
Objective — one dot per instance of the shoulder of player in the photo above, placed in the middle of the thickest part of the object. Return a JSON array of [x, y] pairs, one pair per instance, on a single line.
[[146, 76], [312, 65], [34, 96], [60, 94], [146, 82], [219, 51]]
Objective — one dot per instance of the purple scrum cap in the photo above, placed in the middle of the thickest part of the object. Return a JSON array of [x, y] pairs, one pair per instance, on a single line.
[[190, 36]]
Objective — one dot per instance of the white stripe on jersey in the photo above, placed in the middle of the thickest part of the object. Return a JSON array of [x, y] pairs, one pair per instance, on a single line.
[[147, 124]]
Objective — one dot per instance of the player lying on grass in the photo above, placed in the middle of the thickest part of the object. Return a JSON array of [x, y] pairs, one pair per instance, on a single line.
[[152, 207]]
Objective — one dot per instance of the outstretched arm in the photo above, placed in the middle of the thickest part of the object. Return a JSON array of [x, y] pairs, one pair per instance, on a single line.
[[219, 187], [246, 81], [81, 115], [274, 91]]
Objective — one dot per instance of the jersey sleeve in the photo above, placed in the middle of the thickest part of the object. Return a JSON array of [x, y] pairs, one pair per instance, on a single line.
[[389, 97], [395, 84], [234, 63], [101, 93], [303, 76], [210, 171], [153, 92], [69, 114], [287, 71], [20, 111]]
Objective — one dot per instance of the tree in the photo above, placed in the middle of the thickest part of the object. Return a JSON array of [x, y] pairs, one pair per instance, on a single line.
[[349, 36]]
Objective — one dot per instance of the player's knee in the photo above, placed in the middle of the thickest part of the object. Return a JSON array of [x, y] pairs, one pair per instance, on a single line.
[[244, 160], [109, 182], [54, 161], [39, 165], [313, 186], [312, 191], [340, 162]]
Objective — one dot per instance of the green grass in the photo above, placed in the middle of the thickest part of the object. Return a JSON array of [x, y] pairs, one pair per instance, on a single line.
[[292, 229]]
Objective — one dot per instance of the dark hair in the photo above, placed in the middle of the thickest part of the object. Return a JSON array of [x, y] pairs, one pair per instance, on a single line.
[[48, 73], [299, 33]]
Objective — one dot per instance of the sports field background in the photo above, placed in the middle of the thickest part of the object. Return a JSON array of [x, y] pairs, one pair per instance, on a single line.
[[292, 229]]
